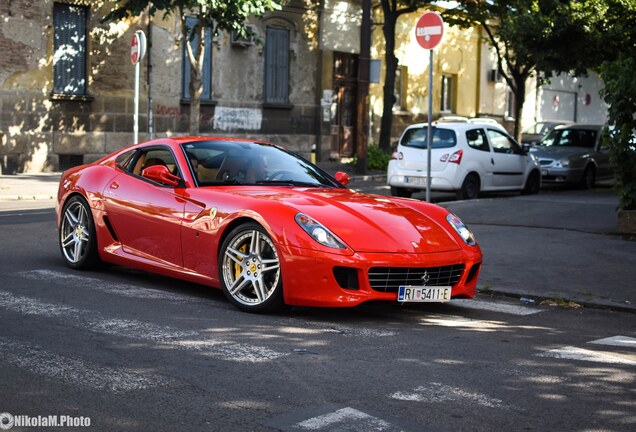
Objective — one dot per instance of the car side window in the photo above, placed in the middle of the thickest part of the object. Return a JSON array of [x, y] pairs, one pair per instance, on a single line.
[[502, 143], [476, 138], [124, 159], [154, 156]]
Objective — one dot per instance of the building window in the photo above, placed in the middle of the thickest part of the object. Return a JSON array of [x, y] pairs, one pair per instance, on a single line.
[[510, 104], [69, 45], [448, 94], [207, 64], [277, 66], [400, 89]]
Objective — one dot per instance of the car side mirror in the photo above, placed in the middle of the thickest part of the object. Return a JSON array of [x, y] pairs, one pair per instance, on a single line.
[[343, 178], [525, 148], [160, 174]]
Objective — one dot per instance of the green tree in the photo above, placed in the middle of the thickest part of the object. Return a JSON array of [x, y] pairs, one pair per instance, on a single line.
[[534, 38], [618, 26], [229, 15], [392, 10]]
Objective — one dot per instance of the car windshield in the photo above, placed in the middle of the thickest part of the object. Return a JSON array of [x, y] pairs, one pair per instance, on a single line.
[[251, 163], [570, 138], [417, 137]]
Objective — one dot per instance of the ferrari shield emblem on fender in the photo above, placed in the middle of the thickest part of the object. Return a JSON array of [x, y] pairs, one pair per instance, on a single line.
[[212, 213], [415, 245]]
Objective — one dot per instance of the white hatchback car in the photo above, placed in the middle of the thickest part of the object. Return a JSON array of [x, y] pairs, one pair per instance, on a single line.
[[467, 158]]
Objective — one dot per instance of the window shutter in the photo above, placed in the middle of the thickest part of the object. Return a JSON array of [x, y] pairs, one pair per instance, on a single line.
[[69, 58], [207, 64], [277, 66]]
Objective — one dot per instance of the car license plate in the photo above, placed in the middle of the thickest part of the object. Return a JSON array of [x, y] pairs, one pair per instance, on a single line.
[[416, 181], [424, 294]]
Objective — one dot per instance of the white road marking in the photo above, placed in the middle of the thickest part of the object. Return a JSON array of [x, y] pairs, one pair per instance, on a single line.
[[618, 341], [134, 329], [574, 353], [346, 419], [461, 322], [75, 372], [495, 307], [121, 289], [437, 392]]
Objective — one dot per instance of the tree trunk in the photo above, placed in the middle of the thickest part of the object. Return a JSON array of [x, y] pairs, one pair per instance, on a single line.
[[196, 89], [520, 98], [391, 63]]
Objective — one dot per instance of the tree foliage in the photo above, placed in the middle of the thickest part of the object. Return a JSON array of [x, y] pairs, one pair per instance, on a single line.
[[619, 24], [535, 38], [217, 15]]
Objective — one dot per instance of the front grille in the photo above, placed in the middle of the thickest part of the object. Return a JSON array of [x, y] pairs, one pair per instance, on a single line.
[[546, 161], [389, 279]]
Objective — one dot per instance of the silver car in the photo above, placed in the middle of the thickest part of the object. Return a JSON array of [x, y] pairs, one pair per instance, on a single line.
[[574, 155]]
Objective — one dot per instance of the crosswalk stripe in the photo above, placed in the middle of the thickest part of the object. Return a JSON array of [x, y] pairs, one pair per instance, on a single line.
[[346, 419], [495, 307], [74, 371], [575, 353], [121, 289], [618, 341], [438, 393], [134, 329], [456, 321]]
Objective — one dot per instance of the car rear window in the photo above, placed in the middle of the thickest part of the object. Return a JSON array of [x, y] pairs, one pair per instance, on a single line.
[[417, 137]]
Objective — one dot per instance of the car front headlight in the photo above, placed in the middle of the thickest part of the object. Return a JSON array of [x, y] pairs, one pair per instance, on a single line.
[[319, 232], [461, 229], [564, 163]]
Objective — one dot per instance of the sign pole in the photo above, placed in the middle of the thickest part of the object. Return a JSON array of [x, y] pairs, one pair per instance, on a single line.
[[429, 31], [137, 52], [429, 138], [136, 115]]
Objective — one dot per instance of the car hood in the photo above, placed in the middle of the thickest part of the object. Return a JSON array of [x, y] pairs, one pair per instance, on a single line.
[[558, 152], [367, 223]]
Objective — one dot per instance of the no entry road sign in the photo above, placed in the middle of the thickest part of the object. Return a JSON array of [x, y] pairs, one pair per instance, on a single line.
[[429, 30]]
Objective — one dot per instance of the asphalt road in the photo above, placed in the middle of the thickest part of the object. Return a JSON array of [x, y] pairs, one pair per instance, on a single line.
[[136, 352]]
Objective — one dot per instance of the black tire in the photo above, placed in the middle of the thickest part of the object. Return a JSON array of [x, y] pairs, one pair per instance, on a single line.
[[77, 238], [400, 192], [249, 270], [533, 184], [589, 178], [470, 187]]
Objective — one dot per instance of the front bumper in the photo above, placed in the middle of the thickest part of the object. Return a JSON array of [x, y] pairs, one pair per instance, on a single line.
[[553, 175], [308, 275]]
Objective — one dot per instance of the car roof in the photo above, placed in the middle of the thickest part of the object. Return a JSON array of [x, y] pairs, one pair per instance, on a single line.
[[580, 126], [458, 126]]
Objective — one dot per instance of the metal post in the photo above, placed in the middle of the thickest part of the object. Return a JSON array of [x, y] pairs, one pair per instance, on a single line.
[[429, 139], [151, 123], [136, 115]]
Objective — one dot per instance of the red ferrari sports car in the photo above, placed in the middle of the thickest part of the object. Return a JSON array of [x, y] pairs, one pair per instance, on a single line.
[[261, 223]]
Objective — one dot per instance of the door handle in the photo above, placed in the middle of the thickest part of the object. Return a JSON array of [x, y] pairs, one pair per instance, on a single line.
[[114, 185], [492, 161]]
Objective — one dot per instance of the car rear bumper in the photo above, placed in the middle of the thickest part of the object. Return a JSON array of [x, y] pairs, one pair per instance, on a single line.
[[446, 180], [312, 278]]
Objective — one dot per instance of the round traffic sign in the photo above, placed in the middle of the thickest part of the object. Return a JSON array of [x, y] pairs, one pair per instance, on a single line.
[[137, 47], [429, 30]]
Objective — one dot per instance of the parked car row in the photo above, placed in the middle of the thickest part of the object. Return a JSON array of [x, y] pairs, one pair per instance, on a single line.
[[473, 156]]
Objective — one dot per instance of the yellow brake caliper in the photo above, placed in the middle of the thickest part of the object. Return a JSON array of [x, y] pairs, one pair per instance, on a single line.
[[237, 268]]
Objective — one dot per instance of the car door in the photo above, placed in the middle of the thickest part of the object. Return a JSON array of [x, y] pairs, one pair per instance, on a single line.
[[145, 215], [601, 155], [479, 156], [508, 160]]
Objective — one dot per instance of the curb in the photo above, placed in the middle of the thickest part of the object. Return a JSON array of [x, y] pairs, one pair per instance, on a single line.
[[25, 197], [537, 299]]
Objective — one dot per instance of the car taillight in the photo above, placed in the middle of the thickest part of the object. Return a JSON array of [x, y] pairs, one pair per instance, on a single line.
[[456, 157], [444, 158], [397, 156], [394, 156]]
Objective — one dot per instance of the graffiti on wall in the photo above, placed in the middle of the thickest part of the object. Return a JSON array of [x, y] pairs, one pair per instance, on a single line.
[[229, 119]]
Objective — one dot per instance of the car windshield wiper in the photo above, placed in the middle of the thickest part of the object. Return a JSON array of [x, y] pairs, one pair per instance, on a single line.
[[289, 183]]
